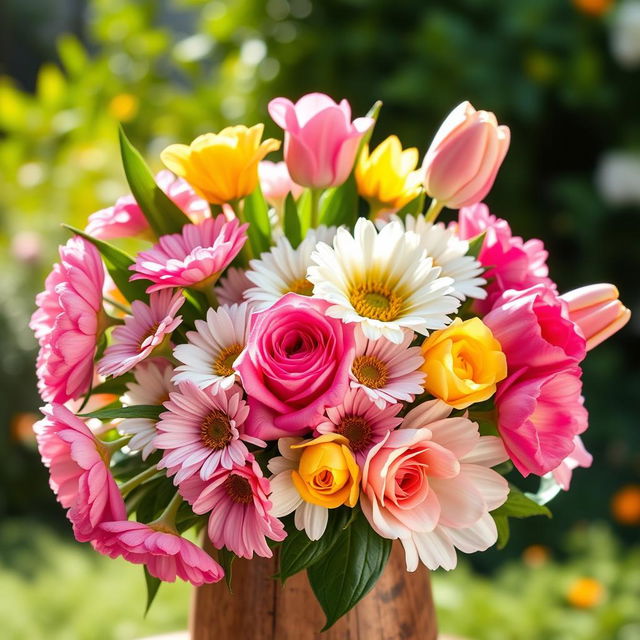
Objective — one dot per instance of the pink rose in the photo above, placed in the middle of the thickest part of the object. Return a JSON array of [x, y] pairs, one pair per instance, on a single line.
[[320, 141], [431, 485], [295, 364], [539, 417], [534, 330], [511, 263], [463, 160]]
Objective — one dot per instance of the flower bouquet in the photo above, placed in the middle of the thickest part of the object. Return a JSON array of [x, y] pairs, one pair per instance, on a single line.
[[299, 361]]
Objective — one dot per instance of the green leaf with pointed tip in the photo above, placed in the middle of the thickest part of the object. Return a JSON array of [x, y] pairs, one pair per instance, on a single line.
[[226, 558], [117, 263], [160, 211], [256, 212], [475, 245], [340, 204], [153, 584], [298, 552], [116, 386], [291, 224], [149, 411], [413, 207], [374, 112], [344, 576]]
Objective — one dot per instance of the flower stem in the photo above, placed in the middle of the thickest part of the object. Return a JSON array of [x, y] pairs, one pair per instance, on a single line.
[[117, 305], [315, 207], [247, 251], [115, 445], [434, 210], [167, 518], [131, 484]]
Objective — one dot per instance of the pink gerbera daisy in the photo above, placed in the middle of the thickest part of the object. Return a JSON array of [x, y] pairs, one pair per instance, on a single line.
[[143, 332], [166, 554], [240, 509], [385, 371], [68, 321], [79, 471], [193, 258], [231, 287], [202, 430], [360, 421]]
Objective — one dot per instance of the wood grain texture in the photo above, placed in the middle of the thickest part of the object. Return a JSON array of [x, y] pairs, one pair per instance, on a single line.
[[400, 607]]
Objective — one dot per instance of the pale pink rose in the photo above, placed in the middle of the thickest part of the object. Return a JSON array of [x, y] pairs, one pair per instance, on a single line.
[[579, 457], [539, 417], [511, 263], [68, 322], [125, 218], [195, 257], [597, 311], [165, 554], [431, 485], [240, 511], [276, 183], [296, 363], [320, 141], [534, 330], [462, 162], [79, 471]]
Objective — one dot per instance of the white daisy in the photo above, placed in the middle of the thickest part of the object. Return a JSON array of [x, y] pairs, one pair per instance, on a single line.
[[284, 269], [311, 518], [231, 287], [385, 371], [152, 386], [449, 253], [382, 281], [211, 350]]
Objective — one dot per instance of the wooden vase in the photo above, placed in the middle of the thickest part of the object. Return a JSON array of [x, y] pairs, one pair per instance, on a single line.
[[400, 607]]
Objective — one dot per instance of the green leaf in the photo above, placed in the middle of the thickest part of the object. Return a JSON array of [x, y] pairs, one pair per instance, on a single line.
[[291, 225], [226, 558], [153, 584], [160, 211], [117, 263], [340, 204], [297, 552], [304, 211], [475, 245], [413, 207], [374, 112], [343, 577], [518, 505], [256, 212], [138, 411], [116, 386]]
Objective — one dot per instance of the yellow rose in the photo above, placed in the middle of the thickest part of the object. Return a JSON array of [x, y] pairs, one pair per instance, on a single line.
[[387, 178], [223, 166], [327, 474], [463, 363]]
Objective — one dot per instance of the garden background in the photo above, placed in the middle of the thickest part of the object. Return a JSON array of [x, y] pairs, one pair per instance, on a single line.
[[564, 75]]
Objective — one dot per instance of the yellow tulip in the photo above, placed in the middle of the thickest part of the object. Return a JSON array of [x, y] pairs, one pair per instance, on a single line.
[[463, 363], [387, 178], [327, 474], [221, 167]]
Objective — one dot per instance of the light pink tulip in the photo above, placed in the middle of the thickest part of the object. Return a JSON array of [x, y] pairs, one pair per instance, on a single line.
[[597, 311], [320, 142], [463, 160], [276, 183]]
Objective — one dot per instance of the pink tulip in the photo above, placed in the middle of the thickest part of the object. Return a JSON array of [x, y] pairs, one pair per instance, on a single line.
[[320, 142], [463, 160], [596, 310]]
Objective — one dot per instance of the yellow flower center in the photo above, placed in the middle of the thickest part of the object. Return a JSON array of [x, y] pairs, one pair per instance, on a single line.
[[238, 489], [370, 371], [215, 430], [356, 430], [376, 301], [301, 286], [223, 364]]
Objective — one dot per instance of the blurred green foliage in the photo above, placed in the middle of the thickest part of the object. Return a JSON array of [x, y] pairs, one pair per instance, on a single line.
[[173, 69]]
